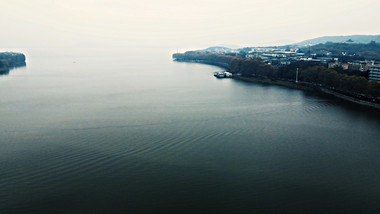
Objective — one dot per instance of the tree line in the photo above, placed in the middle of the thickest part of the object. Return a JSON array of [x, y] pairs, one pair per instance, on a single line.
[[309, 73], [208, 58]]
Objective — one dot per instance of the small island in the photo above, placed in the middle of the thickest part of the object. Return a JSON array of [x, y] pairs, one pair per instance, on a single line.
[[344, 70], [9, 60]]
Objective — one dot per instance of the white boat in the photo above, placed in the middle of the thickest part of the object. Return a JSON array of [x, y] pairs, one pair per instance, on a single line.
[[221, 74], [228, 74]]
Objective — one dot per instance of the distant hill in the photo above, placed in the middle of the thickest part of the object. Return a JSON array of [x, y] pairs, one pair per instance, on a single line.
[[364, 39], [10, 60], [347, 51]]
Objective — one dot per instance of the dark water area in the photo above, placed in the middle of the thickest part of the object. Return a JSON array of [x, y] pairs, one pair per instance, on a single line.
[[131, 131]]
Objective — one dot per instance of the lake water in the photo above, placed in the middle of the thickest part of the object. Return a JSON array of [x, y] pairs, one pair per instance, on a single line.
[[131, 131]]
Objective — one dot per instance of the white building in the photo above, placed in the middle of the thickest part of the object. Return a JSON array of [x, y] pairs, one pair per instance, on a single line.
[[374, 72]]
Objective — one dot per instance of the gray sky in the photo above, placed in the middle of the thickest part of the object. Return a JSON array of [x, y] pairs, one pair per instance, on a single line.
[[180, 23]]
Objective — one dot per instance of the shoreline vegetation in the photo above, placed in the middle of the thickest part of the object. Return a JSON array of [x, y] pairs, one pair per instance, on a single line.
[[310, 78], [9, 60]]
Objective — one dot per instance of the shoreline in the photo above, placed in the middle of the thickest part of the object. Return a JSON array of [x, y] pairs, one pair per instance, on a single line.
[[300, 86], [304, 87]]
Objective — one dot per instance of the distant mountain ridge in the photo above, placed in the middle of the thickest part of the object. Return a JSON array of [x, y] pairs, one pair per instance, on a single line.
[[355, 38], [218, 49]]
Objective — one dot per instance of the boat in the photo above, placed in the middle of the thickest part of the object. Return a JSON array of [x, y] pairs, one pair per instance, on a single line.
[[221, 74], [228, 74]]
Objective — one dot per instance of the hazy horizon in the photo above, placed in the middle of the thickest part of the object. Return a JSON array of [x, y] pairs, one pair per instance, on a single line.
[[180, 24]]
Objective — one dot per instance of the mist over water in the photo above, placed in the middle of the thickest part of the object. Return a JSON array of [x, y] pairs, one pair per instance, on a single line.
[[131, 131]]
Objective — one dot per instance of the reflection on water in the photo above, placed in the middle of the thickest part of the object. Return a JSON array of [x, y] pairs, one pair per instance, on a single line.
[[117, 131], [5, 71]]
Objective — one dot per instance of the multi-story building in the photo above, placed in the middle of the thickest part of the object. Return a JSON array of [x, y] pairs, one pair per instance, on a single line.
[[374, 72]]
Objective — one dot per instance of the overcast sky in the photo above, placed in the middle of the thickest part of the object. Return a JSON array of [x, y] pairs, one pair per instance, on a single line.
[[180, 23]]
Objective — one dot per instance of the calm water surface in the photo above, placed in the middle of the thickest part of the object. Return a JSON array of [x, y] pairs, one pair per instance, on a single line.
[[131, 131]]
